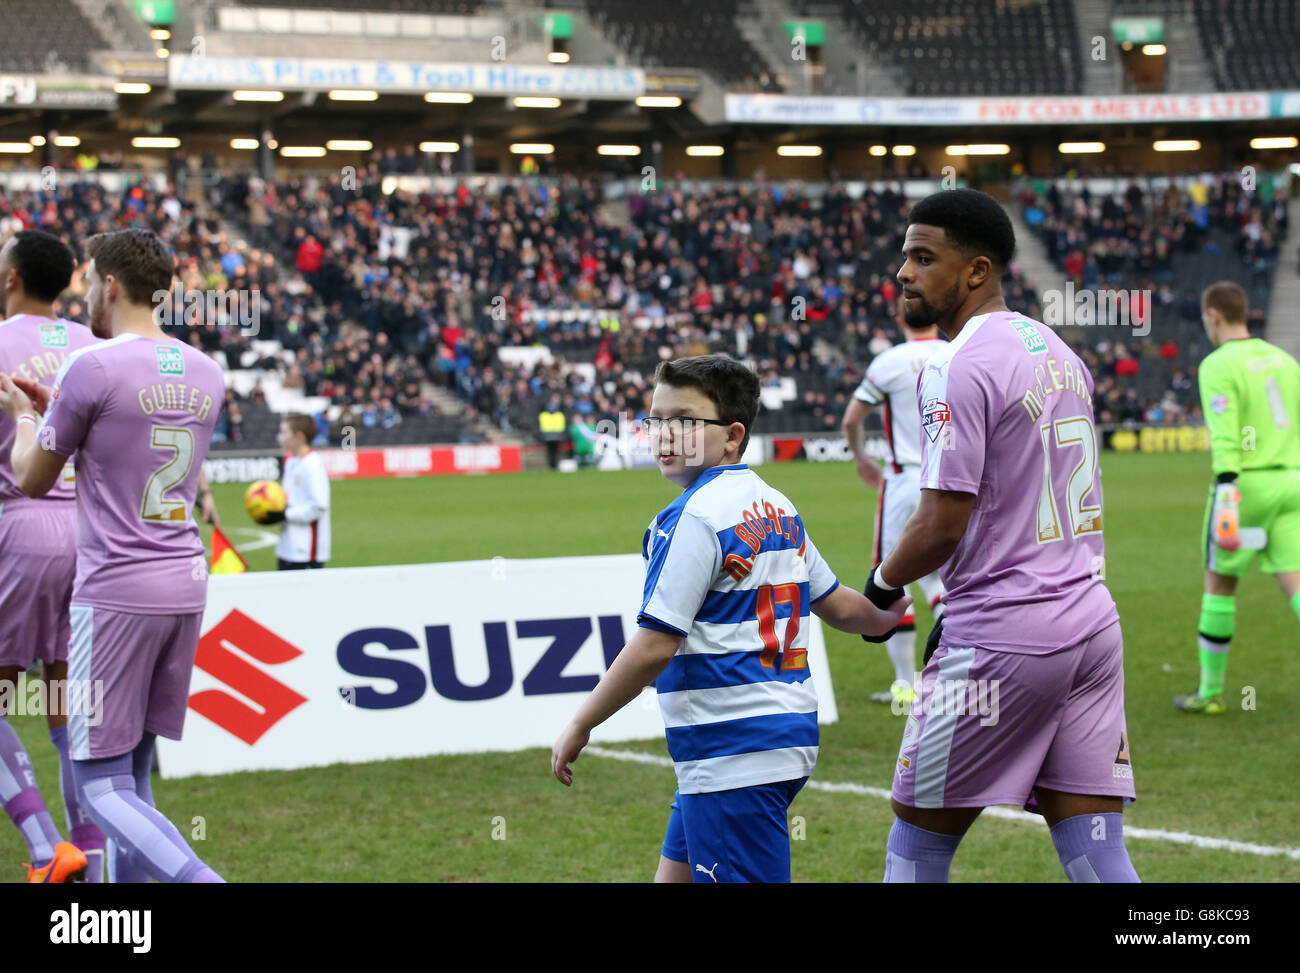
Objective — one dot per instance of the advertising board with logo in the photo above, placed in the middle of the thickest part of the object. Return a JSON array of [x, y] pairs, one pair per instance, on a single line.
[[825, 449], [1157, 439], [414, 660], [390, 461]]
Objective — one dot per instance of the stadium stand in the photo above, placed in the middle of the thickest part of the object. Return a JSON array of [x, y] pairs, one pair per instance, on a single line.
[[47, 35], [948, 48], [1164, 243], [450, 7], [676, 33], [801, 285], [419, 316], [1251, 44]]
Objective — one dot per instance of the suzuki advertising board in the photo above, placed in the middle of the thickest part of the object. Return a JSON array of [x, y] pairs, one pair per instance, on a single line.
[[348, 665]]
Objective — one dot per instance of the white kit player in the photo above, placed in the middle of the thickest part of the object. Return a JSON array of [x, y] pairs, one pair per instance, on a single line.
[[891, 382]]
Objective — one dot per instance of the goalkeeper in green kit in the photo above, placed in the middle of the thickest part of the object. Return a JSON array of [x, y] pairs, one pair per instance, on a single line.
[[1250, 394]]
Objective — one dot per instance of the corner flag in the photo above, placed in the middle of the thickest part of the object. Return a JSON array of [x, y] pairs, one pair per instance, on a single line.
[[225, 559]]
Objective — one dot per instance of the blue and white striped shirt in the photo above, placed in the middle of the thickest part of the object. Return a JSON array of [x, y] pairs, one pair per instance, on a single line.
[[730, 567]]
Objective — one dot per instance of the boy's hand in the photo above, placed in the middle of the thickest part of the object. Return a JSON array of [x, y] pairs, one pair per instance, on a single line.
[[566, 751]]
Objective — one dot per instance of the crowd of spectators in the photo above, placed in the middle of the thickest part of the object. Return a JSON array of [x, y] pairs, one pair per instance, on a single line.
[[375, 296], [801, 285], [1161, 247]]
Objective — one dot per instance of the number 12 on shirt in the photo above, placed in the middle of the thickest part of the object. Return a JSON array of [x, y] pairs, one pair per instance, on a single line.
[[769, 596], [1076, 431]]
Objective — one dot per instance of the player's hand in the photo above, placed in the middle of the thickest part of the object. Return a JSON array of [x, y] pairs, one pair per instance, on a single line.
[[275, 517], [890, 604], [13, 400], [208, 509], [870, 473], [1227, 516], [888, 620], [38, 394], [566, 751]]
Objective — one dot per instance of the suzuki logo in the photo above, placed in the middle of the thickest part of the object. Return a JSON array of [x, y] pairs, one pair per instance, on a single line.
[[274, 699]]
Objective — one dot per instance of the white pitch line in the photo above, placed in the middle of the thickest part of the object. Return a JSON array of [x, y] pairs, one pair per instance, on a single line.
[[264, 538], [1005, 813]]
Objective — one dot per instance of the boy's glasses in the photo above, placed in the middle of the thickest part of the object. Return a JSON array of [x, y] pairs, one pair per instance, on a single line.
[[676, 424]]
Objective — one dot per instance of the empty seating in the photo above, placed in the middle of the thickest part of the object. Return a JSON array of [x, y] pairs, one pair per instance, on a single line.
[[968, 47], [684, 33], [43, 36]]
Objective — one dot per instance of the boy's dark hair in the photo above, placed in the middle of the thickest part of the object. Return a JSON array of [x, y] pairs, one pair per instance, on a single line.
[[974, 221], [139, 260], [730, 385], [1228, 299], [303, 424], [44, 262]]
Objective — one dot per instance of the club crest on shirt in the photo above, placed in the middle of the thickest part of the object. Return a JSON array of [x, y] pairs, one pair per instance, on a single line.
[[170, 361], [1219, 404], [54, 335], [934, 416]]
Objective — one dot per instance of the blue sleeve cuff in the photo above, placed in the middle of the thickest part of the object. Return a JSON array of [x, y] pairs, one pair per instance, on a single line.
[[826, 592], [649, 621]]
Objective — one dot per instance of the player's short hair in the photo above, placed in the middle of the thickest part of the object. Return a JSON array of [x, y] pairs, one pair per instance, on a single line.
[[1228, 299], [304, 424], [975, 222], [44, 262], [730, 385], [139, 260]]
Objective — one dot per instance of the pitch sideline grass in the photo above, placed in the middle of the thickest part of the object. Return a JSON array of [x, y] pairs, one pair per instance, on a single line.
[[1227, 778]]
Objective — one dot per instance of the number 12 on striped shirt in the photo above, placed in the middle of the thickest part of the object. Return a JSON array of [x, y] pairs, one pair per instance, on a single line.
[[769, 596]]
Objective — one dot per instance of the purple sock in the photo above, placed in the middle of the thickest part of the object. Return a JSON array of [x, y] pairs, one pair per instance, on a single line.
[[149, 840], [82, 831], [22, 801], [916, 855], [1091, 848]]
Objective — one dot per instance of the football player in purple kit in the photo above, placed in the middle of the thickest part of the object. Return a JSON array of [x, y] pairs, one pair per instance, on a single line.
[[38, 557], [138, 409], [1022, 696]]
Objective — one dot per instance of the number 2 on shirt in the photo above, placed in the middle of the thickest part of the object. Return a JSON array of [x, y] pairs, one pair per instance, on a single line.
[[155, 506], [769, 596]]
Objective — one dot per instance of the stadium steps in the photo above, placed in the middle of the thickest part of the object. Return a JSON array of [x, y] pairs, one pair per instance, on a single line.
[[1188, 68], [762, 25], [1099, 77], [1032, 258], [1284, 305], [850, 69], [118, 23]]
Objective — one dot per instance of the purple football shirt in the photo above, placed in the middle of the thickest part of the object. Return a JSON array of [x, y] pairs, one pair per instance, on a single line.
[[139, 413], [34, 348], [1006, 414]]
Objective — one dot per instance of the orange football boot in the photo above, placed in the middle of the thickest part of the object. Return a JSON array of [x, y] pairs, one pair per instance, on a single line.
[[68, 864]]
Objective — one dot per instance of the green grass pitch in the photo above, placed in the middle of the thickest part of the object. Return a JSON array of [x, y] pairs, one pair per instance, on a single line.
[[433, 819]]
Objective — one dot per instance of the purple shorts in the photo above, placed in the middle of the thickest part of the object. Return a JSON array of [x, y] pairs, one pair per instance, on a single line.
[[133, 673], [38, 561], [989, 727]]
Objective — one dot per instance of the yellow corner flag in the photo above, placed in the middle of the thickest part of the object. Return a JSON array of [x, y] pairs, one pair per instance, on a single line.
[[225, 559]]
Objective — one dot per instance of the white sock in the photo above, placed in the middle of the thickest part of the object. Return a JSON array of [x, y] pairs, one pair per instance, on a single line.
[[902, 653]]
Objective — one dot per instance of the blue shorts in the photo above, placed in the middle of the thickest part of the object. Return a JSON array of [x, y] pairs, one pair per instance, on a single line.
[[740, 835]]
